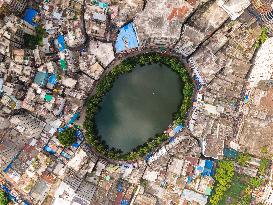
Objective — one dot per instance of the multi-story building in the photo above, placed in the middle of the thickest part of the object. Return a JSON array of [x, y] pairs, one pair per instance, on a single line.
[[18, 6], [4, 8], [8, 7], [14, 29]]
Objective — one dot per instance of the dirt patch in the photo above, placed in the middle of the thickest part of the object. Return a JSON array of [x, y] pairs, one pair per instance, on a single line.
[[267, 102], [256, 136], [257, 131]]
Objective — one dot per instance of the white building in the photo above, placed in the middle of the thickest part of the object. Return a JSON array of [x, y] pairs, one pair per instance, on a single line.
[[234, 8], [263, 65]]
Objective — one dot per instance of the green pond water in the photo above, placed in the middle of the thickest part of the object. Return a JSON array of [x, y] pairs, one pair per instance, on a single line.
[[139, 105]]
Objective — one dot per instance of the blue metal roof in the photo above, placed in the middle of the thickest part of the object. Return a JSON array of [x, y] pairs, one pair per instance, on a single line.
[[76, 145], [208, 169], [171, 139], [148, 157], [178, 128], [120, 187], [127, 38], [74, 118], [53, 79], [30, 15], [61, 42], [103, 5], [64, 154], [124, 202], [79, 134], [49, 150], [230, 153]]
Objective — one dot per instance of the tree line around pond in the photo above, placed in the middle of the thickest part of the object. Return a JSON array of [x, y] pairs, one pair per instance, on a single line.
[[106, 83]]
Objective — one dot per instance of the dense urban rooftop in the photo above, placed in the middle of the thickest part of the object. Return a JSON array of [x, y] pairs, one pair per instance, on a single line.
[[55, 53]]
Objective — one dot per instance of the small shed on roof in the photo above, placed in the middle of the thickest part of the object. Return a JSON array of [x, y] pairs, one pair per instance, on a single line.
[[230, 153], [99, 16], [1, 84], [48, 97], [63, 64], [69, 82], [95, 71], [18, 55], [40, 78]]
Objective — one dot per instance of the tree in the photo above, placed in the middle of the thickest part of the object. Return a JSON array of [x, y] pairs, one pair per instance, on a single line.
[[67, 137], [32, 41], [255, 182], [264, 165], [243, 158], [143, 182], [262, 38], [224, 175], [3, 198], [264, 150]]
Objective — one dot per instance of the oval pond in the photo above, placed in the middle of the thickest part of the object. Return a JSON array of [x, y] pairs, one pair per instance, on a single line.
[[139, 105]]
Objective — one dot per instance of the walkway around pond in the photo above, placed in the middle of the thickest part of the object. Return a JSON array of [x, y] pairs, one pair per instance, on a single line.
[[116, 62]]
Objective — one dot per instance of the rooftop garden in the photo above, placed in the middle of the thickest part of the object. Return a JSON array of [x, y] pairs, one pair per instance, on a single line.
[[234, 188]]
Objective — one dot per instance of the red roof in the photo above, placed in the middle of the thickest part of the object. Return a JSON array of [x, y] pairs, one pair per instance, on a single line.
[[178, 12], [192, 160], [119, 198], [49, 178], [192, 2]]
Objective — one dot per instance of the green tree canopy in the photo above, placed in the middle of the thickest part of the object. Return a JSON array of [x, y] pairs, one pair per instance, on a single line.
[[264, 165], [3, 198], [243, 158], [32, 41], [67, 137], [224, 175], [255, 182], [262, 38]]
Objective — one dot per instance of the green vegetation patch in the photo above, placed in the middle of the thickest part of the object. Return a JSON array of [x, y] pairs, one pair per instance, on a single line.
[[235, 189], [240, 190], [3, 198], [224, 177], [263, 166], [232, 188], [31, 41], [262, 38], [243, 158], [67, 137], [106, 84]]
